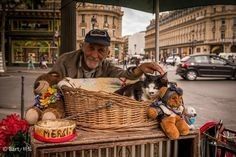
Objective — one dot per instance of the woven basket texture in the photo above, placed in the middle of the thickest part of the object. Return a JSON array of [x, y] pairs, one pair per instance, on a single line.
[[102, 111]]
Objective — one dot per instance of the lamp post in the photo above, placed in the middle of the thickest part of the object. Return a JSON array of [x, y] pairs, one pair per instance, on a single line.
[[93, 21], [6, 5], [192, 44]]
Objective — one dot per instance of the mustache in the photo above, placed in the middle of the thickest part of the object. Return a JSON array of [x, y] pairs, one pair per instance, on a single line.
[[93, 59]]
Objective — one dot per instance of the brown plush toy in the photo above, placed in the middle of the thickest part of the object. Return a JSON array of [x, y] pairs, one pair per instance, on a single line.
[[167, 109], [48, 100]]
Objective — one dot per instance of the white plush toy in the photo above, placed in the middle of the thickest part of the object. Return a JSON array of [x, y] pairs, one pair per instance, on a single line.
[[190, 115]]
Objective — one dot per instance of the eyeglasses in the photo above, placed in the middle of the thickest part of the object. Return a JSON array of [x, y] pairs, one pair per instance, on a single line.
[[99, 33]]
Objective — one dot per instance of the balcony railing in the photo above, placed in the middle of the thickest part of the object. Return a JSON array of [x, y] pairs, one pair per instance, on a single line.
[[226, 40]]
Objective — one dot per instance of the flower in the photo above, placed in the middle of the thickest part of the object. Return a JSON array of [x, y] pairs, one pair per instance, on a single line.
[[13, 133]]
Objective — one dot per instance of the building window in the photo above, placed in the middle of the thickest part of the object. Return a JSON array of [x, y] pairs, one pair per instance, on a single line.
[[83, 18], [223, 8], [222, 35], [83, 32], [21, 49], [113, 33], [198, 49], [213, 35], [223, 21], [105, 19], [234, 21], [214, 10]]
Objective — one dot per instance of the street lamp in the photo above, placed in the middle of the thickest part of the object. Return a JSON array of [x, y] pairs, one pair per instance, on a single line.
[[6, 5], [93, 21]]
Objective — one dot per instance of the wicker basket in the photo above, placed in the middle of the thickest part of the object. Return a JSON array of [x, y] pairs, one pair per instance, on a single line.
[[102, 111]]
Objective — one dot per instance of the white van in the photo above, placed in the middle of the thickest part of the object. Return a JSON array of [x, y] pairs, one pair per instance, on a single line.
[[173, 60], [226, 55]]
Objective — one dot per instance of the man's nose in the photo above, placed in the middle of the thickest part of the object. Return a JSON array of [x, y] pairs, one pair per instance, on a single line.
[[95, 53]]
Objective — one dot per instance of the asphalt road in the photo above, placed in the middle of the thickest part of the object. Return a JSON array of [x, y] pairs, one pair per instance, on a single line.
[[214, 99]]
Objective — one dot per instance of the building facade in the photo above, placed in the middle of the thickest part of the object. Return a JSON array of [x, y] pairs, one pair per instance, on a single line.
[[136, 44], [96, 16], [32, 32], [209, 29]]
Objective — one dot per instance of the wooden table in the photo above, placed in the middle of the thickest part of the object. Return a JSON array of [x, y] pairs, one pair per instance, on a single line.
[[124, 144]]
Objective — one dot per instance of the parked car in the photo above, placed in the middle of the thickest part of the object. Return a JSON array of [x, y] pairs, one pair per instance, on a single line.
[[173, 60], [205, 65]]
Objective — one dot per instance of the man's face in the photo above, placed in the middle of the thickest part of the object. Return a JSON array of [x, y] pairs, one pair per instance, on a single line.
[[94, 54]]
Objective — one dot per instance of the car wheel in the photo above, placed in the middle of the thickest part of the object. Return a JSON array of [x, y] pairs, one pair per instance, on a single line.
[[191, 75]]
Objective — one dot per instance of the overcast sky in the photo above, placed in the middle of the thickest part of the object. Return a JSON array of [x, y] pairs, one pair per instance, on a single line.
[[135, 21]]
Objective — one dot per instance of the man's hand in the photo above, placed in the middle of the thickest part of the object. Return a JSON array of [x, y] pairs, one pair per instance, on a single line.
[[148, 68]]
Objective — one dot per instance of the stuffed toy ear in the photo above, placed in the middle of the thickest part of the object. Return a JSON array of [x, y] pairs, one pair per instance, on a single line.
[[52, 78], [162, 92]]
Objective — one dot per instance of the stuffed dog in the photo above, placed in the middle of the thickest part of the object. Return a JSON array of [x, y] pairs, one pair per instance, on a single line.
[[189, 116], [167, 109], [48, 99]]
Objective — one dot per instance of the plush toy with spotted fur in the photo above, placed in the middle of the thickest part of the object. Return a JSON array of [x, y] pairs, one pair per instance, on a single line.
[[167, 109], [48, 99]]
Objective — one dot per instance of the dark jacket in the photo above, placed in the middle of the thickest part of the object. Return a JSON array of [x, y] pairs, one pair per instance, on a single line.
[[69, 65]]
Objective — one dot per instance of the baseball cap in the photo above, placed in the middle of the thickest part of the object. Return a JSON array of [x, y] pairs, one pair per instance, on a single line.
[[98, 36]]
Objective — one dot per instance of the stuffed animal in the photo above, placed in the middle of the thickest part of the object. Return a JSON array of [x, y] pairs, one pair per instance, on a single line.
[[189, 116], [167, 109], [48, 99]]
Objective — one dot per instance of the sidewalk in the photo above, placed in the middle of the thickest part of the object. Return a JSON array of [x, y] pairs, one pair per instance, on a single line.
[[15, 69]]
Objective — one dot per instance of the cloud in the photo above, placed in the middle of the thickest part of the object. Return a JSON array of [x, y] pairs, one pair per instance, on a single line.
[[134, 21]]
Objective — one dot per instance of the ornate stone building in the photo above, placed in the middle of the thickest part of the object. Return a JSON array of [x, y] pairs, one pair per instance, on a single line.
[[209, 29], [32, 31], [106, 17]]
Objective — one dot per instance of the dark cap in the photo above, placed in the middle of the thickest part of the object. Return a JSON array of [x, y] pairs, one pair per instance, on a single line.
[[98, 36]]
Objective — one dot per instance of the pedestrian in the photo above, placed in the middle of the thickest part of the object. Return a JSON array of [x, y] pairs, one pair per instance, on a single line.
[[125, 63], [30, 62], [90, 61], [44, 63]]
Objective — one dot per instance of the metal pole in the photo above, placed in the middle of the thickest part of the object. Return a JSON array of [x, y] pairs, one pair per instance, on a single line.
[[68, 26], [22, 97], [2, 57], [157, 32], [52, 54]]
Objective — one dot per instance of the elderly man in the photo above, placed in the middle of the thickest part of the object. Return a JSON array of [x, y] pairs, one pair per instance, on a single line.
[[90, 61]]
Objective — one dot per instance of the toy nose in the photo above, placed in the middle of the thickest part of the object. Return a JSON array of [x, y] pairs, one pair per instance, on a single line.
[[151, 93], [194, 114]]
